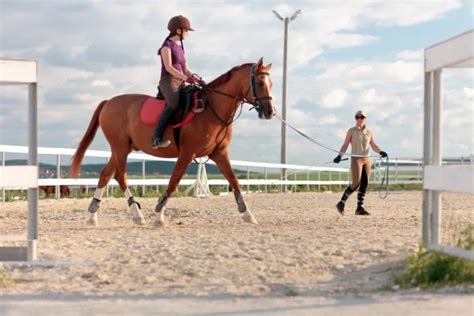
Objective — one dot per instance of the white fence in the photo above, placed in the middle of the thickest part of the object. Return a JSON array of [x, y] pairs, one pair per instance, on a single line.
[[455, 52], [24, 72], [335, 175], [402, 171]]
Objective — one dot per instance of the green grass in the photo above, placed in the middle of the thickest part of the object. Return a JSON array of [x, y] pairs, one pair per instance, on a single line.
[[434, 269], [5, 280]]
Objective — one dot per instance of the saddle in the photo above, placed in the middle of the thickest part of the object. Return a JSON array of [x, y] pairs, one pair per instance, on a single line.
[[190, 103]]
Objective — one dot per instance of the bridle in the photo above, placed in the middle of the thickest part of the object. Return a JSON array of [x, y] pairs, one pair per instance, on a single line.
[[256, 101]]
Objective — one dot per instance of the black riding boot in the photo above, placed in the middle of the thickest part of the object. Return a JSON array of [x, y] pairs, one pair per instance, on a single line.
[[157, 139]]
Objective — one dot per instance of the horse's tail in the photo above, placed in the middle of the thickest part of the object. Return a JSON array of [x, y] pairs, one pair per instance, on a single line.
[[86, 141]]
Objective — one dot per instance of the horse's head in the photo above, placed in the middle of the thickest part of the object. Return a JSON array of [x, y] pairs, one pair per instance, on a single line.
[[260, 88]]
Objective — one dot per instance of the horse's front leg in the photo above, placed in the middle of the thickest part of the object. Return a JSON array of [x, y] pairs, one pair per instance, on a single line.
[[181, 165], [221, 158]]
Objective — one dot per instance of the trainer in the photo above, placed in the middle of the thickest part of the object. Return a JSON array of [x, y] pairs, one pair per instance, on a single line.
[[359, 137]]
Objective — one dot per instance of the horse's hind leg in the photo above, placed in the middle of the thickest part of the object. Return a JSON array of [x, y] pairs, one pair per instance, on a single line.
[[221, 158], [121, 177], [181, 164], [104, 178]]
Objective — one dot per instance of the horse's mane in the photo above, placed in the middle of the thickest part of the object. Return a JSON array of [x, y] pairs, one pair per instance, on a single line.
[[226, 76]]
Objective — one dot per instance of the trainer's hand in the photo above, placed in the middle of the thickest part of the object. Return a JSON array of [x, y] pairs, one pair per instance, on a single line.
[[337, 159], [383, 154]]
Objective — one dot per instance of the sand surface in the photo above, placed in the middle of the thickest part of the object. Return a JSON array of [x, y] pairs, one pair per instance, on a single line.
[[301, 247]]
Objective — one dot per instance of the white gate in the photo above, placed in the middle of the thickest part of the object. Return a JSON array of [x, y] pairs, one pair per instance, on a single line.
[[23, 72], [453, 53]]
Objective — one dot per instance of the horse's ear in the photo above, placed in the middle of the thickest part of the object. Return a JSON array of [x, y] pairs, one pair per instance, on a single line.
[[260, 62], [268, 67]]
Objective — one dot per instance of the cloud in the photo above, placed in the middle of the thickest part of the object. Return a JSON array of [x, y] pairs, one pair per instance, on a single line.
[[411, 55], [334, 99], [92, 50], [329, 119]]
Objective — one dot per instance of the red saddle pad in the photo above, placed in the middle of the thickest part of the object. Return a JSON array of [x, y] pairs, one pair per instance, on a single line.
[[151, 110]]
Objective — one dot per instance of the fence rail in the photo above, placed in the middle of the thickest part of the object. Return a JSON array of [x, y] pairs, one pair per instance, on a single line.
[[402, 171]]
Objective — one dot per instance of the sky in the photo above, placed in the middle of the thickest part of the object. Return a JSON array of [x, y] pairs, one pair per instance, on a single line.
[[343, 56]]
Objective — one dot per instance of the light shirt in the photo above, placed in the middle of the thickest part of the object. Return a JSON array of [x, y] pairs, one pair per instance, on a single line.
[[360, 140]]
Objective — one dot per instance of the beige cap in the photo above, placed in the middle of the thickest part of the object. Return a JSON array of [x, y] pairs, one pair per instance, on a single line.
[[360, 112]]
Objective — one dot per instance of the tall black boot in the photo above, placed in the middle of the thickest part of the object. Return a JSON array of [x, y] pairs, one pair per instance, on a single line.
[[342, 202], [157, 139], [360, 204]]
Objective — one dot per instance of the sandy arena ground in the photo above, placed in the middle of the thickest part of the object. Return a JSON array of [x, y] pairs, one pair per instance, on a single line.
[[301, 247]]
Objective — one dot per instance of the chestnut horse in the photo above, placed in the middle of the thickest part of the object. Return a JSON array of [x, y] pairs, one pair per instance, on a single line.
[[208, 134]]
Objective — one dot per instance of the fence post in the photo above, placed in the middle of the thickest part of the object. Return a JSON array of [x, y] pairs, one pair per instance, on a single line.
[[307, 179], [396, 170], [295, 185], [57, 193], [330, 180], [248, 179], [143, 177], [107, 187], [265, 172], [340, 179], [3, 189], [319, 180]]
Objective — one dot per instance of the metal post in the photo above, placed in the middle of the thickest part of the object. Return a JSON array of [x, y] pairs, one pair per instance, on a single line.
[[283, 159], [107, 187], [265, 172], [248, 179], [330, 180], [57, 193], [437, 147], [319, 180], [307, 179], [296, 179], [286, 21], [143, 177], [32, 161], [3, 189]]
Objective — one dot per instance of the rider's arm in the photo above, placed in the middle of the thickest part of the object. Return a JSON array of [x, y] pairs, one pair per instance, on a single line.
[[166, 57], [186, 70], [347, 141]]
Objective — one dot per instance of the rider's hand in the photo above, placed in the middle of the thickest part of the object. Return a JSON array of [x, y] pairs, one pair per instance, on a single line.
[[191, 80], [201, 82], [383, 154], [337, 159]]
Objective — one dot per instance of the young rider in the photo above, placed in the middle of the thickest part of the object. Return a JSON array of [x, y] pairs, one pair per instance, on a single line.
[[174, 72]]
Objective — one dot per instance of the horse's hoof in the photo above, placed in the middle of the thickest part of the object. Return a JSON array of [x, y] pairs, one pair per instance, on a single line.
[[159, 223], [92, 222], [139, 220], [249, 218]]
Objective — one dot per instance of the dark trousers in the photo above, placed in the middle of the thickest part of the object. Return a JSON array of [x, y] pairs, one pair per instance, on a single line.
[[169, 87]]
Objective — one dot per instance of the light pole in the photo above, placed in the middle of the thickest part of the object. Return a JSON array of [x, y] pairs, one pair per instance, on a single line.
[[283, 160]]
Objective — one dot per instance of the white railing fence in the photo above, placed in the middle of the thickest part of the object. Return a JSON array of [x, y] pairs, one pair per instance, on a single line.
[[298, 175], [258, 176]]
